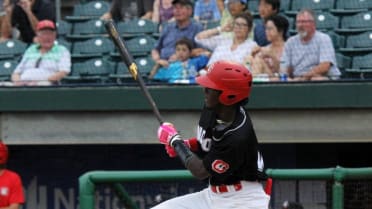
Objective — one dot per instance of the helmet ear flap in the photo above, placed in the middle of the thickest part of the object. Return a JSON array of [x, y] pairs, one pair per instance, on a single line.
[[227, 98]]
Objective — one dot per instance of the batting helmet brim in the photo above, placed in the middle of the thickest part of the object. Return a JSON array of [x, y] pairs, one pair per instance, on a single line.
[[206, 82]]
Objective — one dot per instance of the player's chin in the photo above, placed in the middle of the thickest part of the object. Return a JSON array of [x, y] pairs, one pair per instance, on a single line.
[[208, 105]]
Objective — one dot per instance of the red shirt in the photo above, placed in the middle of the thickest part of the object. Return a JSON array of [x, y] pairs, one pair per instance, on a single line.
[[11, 190]]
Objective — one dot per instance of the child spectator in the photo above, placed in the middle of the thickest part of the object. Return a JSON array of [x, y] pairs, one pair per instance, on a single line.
[[184, 69], [206, 10]]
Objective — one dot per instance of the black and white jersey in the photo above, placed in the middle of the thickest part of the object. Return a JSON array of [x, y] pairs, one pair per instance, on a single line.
[[229, 152]]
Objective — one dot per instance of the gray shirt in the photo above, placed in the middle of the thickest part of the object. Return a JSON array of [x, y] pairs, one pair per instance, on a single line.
[[302, 57]]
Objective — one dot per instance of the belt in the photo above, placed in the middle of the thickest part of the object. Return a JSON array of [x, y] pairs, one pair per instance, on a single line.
[[226, 188]]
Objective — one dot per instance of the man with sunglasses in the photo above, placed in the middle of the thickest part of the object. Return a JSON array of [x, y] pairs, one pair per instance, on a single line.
[[44, 62], [309, 55], [225, 151]]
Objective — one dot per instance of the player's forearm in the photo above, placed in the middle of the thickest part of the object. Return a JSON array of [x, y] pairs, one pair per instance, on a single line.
[[190, 160], [196, 167]]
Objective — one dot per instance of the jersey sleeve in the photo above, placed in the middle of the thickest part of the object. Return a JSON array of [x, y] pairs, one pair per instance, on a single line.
[[16, 194]]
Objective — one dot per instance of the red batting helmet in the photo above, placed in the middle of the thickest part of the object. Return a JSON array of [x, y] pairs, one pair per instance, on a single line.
[[3, 153], [233, 79]]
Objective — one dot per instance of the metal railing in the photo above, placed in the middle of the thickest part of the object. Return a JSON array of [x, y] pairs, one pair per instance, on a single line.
[[88, 181]]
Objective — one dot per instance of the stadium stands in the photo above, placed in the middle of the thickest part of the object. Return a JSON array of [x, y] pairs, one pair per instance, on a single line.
[[89, 10], [348, 22], [6, 69], [12, 49]]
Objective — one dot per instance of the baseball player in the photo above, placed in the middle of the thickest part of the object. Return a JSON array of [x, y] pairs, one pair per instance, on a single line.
[[225, 150], [11, 190]]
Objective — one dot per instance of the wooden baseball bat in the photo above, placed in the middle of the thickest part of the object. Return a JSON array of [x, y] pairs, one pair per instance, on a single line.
[[132, 67]]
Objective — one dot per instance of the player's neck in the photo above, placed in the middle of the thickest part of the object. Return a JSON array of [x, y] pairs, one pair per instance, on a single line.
[[227, 114]]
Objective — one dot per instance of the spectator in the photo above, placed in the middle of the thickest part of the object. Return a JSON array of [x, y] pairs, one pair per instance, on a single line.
[[163, 11], [12, 195], [24, 16], [234, 8], [309, 55], [184, 69], [226, 48], [44, 62], [128, 10], [266, 59], [266, 8], [183, 27], [145, 9], [206, 11]]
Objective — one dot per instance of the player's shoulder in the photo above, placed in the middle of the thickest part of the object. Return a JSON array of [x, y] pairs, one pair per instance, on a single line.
[[11, 174]]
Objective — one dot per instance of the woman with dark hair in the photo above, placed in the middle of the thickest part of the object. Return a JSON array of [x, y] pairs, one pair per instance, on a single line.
[[233, 48], [266, 60]]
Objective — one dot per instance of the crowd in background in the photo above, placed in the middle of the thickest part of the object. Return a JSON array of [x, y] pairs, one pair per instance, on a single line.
[[262, 45]]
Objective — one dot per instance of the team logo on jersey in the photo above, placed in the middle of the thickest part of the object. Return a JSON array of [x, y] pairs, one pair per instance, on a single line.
[[4, 191], [220, 166]]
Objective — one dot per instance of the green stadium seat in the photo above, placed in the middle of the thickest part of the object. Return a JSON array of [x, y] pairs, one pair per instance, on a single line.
[[297, 5], [87, 29], [356, 23], [63, 28], [362, 65], [137, 27], [145, 64], [121, 74], [343, 62], [138, 46], [253, 7], [64, 43], [6, 69], [95, 47], [358, 43], [12, 48], [351, 6], [285, 5], [91, 71], [326, 21], [89, 10], [337, 40]]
